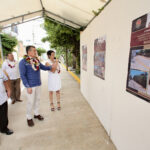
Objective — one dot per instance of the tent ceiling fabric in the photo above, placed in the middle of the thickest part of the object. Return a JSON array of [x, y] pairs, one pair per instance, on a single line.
[[71, 12]]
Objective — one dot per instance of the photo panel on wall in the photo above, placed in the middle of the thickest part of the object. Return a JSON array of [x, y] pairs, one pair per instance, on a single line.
[[138, 80], [99, 57], [84, 57]]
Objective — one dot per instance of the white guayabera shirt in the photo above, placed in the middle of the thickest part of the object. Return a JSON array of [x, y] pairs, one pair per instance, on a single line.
[[3, 94], [12, 69]]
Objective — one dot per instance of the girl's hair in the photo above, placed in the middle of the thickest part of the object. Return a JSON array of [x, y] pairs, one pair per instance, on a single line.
[[49, 53]]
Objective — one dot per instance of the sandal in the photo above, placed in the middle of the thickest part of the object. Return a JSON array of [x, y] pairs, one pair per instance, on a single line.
[[58, 108], [52, 108]]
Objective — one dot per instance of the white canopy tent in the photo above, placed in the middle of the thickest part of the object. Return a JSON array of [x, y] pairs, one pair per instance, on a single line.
[[73, 13]]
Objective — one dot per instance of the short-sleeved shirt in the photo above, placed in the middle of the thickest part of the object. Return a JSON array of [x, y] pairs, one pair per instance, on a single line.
[[12, 68], [3, 94]]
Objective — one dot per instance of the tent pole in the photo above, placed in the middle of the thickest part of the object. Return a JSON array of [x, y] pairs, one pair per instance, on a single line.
[[21, 16]]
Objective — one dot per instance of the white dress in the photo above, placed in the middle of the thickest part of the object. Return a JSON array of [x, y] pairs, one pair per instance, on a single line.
[[54, 80]]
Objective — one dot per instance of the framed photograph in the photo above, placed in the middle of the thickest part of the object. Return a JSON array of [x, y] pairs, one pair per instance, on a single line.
[[138, 79], [84, 57], [99, 57]]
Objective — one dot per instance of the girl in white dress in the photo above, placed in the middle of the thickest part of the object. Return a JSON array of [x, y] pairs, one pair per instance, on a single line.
[[54, 80]]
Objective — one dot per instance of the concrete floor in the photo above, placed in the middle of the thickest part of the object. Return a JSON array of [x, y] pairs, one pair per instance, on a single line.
[[75, 127]]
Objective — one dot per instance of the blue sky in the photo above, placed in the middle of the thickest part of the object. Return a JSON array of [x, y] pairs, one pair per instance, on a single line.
[[135, 51], [135, 72]]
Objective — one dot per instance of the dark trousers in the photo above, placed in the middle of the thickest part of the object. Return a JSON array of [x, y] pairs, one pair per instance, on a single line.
[[15, 89], [3, 117]]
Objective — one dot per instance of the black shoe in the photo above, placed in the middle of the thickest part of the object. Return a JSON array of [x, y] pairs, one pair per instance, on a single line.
[[30, 123], [39, 117], [8, 132]]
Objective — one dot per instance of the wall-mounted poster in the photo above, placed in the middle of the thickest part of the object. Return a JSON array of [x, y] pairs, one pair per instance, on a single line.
[[138, 81], [84, 57], [99, 57]]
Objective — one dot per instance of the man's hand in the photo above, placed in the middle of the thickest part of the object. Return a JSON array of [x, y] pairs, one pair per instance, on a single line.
[[8, 93], [7, 87], [29, 90]]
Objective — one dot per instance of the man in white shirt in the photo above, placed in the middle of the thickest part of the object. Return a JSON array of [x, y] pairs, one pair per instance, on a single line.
[[11, 68], [4, 86]]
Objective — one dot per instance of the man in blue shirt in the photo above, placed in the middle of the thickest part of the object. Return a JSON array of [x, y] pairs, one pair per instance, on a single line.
[[30, 68]]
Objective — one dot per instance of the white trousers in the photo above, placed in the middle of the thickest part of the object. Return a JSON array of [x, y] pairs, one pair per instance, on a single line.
[[33, 102]]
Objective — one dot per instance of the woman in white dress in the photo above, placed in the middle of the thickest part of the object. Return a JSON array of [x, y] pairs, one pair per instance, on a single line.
[[54, 80]]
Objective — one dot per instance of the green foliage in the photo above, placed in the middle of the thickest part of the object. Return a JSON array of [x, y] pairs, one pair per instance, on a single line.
[[96, 13], [60, 52], [1, 28], [8, 43], [62, 38], [69, 58], [40, 51], [59, 35], [78, 66]]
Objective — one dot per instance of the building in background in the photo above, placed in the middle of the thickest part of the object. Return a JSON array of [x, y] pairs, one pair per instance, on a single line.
[[21, 49], [13, 31], [29, 33]]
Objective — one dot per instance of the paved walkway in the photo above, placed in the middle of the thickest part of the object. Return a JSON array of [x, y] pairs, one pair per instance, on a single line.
[[75, 127]]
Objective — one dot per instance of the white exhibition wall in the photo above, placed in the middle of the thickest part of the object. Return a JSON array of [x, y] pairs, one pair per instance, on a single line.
[[125, 117]]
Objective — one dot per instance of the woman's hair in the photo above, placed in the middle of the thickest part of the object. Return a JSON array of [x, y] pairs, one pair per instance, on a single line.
[[49, 53]]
